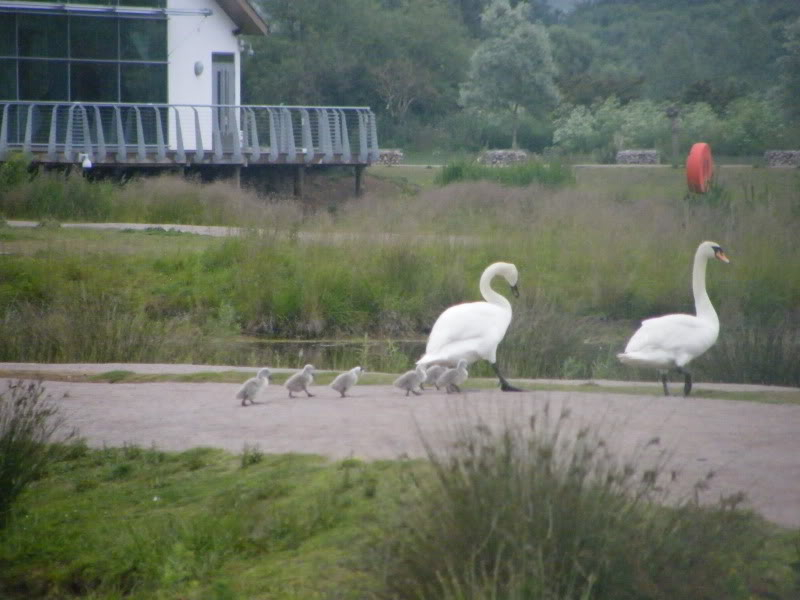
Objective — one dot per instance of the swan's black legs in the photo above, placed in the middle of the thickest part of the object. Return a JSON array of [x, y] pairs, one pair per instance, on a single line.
[[687, 381], [664, 383], [504, 385]]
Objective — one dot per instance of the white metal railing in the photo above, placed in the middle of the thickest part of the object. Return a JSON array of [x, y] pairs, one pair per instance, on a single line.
[[124, 133]]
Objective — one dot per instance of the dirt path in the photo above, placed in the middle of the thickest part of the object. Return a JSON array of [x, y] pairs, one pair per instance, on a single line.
[[749, 447]]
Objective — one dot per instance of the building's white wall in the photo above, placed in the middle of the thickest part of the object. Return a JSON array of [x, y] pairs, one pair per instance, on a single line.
[[191, 39]]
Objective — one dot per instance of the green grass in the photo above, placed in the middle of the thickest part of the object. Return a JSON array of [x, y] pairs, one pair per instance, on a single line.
[[136, 522], [141, 523]]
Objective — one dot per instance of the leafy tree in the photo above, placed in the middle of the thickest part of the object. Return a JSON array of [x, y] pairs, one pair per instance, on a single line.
[[398, 56], [576, 131], [790, 70], [513, 69]]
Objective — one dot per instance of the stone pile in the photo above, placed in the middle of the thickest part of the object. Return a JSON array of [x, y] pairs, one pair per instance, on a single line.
[[502, 158], [390, 157], [782, 158], [638, 157]]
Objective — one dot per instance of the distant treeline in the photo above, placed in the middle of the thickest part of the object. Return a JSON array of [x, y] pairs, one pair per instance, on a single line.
[[735, 62]]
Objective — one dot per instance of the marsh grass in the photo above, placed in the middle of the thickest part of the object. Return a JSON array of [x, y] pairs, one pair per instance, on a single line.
[[594, 258], [165, 199], [547, 511]]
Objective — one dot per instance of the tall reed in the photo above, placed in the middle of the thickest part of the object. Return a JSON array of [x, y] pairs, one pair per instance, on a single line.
[[547, 511]]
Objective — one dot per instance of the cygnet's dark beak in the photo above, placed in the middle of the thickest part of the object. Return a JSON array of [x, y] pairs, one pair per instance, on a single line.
[[515, 291]]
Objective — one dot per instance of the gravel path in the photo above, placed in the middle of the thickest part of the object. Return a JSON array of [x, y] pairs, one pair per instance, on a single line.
[[749, 447]]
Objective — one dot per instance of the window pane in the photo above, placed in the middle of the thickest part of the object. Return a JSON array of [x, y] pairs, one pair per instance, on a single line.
[[42, 35], [143, 39], [93, 82], [42, 80], [144, 83], [8, 79], [8, 44], [93, 37]]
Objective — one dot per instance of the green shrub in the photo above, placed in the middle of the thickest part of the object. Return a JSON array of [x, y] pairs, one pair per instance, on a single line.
[[29, 420], [14, 171], [548, 512], [521, 174]]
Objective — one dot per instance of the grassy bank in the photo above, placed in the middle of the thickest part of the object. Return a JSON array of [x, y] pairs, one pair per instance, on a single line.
[[594, 258], [137, 522]]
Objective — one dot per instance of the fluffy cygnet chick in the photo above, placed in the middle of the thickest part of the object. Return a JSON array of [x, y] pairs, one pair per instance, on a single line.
[[451, 379], [344, 381], [411, 381], [300, 381], [432, 375], [251, 387]]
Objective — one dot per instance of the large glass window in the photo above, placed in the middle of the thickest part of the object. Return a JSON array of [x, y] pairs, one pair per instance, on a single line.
[[142, 39], [84, 58], [143, 83], [94, 82], [42, 35], [43, 80], [8, 78], [144, 3], [8, 35], [93, 37]]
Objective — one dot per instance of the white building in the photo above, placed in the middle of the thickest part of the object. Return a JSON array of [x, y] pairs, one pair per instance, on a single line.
[[150, 83]]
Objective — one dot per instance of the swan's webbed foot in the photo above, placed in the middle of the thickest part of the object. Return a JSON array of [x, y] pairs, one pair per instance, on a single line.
[[416, 392], [504, 385], [507, 387]]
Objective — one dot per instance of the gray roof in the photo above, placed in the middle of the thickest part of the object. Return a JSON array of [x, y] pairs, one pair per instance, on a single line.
[[245, 16]]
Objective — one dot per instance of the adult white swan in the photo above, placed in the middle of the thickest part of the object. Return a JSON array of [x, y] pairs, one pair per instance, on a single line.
[[672, 341], [473, 330]]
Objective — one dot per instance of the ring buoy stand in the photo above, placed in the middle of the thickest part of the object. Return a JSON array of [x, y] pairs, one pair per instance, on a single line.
[[699, 168]]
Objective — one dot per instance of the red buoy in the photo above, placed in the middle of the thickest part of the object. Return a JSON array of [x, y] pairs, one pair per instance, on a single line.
[[699, 168]]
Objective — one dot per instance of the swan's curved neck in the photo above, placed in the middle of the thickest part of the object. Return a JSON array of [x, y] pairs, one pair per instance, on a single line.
[[702, 303], [488, 293]]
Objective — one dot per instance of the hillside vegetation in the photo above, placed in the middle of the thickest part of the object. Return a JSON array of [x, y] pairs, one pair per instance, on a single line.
[[610, 70]]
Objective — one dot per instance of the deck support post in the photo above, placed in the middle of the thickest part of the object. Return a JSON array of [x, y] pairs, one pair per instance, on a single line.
[[237, 177], [359, 171], [299, 177]]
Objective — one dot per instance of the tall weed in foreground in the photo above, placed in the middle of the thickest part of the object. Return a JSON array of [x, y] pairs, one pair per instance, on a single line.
[[546, 511], [28, 422]]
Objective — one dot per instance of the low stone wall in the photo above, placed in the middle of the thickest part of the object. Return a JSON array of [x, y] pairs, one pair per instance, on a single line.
[[638, 157], [502, 158], [782, 158], [390, 157]]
